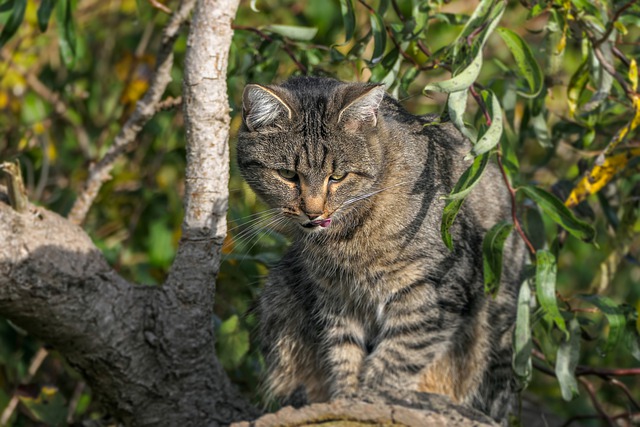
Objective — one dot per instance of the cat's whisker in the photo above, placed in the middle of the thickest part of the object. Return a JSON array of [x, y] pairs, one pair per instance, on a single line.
[[252, 235], [373, 193], [269, 213]]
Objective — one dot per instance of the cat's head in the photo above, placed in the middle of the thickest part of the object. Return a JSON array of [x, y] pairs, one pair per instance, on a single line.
[[311, 147]]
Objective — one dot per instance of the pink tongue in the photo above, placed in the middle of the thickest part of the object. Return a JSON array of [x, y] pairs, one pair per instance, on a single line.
[[322, 222]]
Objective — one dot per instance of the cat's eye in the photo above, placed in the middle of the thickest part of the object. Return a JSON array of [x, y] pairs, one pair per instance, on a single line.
[[287, 174], [337, 177]]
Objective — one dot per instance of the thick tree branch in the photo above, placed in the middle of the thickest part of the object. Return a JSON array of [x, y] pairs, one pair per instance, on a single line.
[[145, 110]]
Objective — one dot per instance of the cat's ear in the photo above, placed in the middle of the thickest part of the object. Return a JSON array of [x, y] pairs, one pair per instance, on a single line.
[[361, 104], [262, 106]]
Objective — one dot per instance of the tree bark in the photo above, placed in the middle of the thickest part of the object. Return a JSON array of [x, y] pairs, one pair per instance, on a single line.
[[147, 352]]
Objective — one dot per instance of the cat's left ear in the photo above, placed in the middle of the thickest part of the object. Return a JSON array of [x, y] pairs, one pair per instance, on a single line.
[[361, 104], [263, 106]]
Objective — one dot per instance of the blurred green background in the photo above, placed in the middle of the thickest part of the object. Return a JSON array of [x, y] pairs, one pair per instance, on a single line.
[[136, 218]]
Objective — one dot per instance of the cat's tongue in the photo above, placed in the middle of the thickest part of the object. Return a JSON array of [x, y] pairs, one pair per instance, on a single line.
[[322, 222]]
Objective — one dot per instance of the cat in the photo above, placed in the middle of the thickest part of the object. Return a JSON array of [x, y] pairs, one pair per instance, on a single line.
[[368, 299]]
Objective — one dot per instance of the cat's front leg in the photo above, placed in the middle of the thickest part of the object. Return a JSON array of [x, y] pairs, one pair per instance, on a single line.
[[345, 353], [415, 334]]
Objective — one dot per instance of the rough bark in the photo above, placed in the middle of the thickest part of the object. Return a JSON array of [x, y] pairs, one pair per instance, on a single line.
[[147, 352], [433, 411]]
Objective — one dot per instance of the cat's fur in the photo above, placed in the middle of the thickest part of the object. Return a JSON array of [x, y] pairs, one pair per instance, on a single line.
[[373, 302]]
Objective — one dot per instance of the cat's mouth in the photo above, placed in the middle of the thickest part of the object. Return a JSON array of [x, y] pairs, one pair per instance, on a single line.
[[322, 223]]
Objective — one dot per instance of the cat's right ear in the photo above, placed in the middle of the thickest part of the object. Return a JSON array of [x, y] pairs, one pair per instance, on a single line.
[[262, 106]]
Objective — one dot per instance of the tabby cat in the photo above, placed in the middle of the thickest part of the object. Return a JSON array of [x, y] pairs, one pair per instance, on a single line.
[[368, 299]]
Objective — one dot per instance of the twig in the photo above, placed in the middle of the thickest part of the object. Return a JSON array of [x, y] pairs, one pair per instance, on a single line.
[[75, 399], [266, 37], [145, 109], [610, 28], [169, 103], [596, 403], [514, 213], [630, 415], [36, 362], [156, 4], [481, 103]]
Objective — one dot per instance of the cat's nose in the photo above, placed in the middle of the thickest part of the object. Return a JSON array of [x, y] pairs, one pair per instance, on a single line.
[[313, 216]]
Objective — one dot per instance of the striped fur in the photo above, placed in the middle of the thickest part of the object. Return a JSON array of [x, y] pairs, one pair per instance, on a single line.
[[374, 302]]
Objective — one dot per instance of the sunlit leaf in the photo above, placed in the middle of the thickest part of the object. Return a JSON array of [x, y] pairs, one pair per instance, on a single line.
[[456, 106], [546, 268], [577, 85], [615, 317], [526, 62], [559, 213], [293, 32], [633, 74], [541, 130], [522, 341], [14, 21], [379, 37], [348, 19], [492, 247], [461, 81], [448, 217], [600, 175], [66, 32], [491, 136], [567, 361], [470, 177]]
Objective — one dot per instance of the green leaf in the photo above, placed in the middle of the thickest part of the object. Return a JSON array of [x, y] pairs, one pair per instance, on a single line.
[[461, 81], [559, 213], [66, 33], [6, 6], [232, 343], [522, 341], [470, 177], [14, 21], [293, 32], [492, 247], [160, 244], [603, 79], [456, 106], [379, 37], [577, 84], [44, 14], [48, 407], [348, 18], [615, 317], [567, 360], [541, 130], [491, 136], [448, 216], [546, 287], [526, 62]]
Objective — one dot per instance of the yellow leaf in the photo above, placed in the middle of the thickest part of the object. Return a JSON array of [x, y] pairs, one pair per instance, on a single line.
[[599, 176], [52, 153], [4, 100], [636, 117], [620, 27], [23, 143], [562, 43], [38, 128], [633, 74]]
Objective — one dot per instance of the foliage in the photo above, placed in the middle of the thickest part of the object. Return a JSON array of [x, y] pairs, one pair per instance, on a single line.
[[548, 89]]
